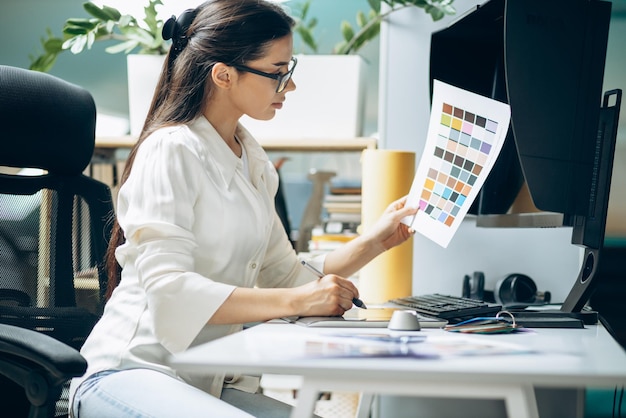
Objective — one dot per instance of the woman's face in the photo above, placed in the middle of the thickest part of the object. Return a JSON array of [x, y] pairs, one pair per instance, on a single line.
[[254, 94]]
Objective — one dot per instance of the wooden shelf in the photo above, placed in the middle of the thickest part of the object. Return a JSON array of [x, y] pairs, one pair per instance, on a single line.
[[326, 145], [311, 145], [112, 142]]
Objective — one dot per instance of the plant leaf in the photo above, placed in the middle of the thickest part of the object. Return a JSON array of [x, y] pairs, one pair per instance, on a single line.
[[82, 23], [126, 20], [76, 44], [436, 14], [126, 46], [448, 9], [138, 34], [91, 37], [112, 12], [104, 13], [74, 31], [346, 31], [341, 48], [361, 20], [151, 18], [374, 5], [307, 38], [43, 63], [305, 9], [53, 45]]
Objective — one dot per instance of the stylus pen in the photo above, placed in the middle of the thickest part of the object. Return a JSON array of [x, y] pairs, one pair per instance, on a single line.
[[358, 302]]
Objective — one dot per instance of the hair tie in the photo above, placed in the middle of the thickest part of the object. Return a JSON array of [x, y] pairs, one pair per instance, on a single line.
[[176, 29]]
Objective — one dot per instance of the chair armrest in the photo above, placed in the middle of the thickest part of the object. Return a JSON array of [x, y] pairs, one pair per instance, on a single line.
[[16, 296], [23, 351]]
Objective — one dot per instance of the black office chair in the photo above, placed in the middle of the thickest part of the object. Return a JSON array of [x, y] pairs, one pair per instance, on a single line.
[[54, 228]]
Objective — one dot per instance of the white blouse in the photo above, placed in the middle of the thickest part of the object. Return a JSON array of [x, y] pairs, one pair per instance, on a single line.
[[195, 229]]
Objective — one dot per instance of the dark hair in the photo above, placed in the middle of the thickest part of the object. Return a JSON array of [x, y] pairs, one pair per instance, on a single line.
[[226, 31]]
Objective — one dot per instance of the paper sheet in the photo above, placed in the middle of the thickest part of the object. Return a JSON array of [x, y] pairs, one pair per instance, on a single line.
[[279, 345], [465, 135]]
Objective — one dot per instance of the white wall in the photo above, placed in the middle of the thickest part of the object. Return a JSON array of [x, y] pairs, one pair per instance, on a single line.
[[546, 255]]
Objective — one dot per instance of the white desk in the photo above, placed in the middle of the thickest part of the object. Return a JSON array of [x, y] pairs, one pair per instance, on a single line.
[[566, 358]]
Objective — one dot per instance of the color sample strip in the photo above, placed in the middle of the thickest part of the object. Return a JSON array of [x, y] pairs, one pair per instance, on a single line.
[[465, 135], [464, 142]]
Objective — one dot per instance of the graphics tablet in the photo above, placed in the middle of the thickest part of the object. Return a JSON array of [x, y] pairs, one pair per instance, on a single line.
[[364, 318]]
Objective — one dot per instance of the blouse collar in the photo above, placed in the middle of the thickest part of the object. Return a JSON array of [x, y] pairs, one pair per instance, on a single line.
[[223, 157]]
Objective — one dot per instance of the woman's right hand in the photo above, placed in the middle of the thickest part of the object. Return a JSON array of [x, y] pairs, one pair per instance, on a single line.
[[330, 295]]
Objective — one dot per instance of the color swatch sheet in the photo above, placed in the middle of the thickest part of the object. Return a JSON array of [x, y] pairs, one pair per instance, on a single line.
[[465, 135]]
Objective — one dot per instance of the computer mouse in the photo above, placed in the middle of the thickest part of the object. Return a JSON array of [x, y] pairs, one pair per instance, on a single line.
[[404, 320]]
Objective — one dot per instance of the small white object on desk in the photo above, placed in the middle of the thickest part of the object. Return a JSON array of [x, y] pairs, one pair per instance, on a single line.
[[404, 320]]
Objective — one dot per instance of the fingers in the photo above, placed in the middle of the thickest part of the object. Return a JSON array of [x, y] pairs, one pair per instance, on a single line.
[[397, 204], [397, 210], [344, 286], [406, 211], [341, 290]]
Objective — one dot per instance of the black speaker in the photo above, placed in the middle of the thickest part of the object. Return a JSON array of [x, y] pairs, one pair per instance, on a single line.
[[474, 287]]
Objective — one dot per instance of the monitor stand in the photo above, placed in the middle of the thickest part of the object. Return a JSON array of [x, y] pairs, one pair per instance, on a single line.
[[554, 318], [573, 313]]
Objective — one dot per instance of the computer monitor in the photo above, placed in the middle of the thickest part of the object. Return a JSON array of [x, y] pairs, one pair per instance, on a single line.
[[545, 58]]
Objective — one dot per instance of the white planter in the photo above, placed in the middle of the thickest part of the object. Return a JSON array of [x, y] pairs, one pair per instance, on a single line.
[[328, 101], [143, 75]]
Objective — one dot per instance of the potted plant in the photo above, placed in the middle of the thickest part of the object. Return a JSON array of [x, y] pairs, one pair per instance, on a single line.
[[105, 23], [329, 101], [368, 25], [140, 39]]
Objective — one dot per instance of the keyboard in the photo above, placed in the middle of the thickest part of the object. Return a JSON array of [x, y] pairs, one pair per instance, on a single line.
[[454, 309]]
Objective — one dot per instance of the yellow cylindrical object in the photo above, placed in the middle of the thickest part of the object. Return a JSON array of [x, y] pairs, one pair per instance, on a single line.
[[387, 176]]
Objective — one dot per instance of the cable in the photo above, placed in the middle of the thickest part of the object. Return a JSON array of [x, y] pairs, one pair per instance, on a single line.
[[607, 326], [618, 404]]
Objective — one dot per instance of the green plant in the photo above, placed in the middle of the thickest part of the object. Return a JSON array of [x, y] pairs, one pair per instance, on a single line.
[[105, 23], [368, 25]]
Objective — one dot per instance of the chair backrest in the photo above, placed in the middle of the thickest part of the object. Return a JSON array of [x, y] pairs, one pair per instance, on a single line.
[[55, 221]]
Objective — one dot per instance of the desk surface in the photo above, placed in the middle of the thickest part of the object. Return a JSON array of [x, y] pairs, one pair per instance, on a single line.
[[562, 358]]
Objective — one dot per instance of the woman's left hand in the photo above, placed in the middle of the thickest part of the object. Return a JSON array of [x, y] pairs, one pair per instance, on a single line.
[[388, 230]]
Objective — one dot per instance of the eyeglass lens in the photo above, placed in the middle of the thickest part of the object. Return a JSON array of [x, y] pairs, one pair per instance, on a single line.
[[284, 80]]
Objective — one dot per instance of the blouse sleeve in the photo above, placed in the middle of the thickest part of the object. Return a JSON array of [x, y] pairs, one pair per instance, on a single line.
[[282, 267], [156, 214]]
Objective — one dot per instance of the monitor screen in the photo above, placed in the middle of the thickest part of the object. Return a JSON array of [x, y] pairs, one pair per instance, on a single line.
[[545, 58]]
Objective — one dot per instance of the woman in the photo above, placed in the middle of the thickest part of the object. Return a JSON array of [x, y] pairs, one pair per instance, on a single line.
[[199, 246]]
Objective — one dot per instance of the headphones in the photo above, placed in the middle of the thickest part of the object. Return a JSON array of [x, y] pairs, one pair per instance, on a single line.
[[515, 289]]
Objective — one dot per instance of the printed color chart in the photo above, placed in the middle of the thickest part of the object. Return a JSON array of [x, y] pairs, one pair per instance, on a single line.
[[465, 136]]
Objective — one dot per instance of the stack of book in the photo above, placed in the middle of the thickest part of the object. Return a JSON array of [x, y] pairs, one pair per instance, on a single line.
[[342, 217]]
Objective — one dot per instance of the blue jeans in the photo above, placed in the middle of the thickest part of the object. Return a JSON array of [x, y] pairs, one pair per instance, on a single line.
[[150, 394]]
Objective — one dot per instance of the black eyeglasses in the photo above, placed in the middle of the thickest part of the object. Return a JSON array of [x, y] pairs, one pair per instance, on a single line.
[[283, 79]]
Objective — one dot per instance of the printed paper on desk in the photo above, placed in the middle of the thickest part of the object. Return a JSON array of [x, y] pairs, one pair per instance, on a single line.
[[465, 135]]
